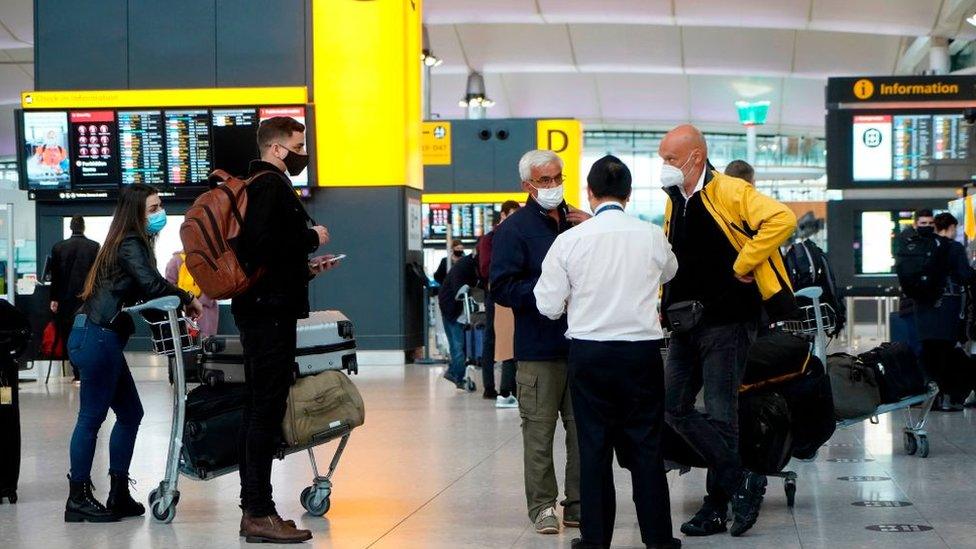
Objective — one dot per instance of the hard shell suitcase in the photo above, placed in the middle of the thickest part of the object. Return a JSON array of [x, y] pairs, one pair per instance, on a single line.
[[212, 428], [899, 373], [15, 335], [854, 387]]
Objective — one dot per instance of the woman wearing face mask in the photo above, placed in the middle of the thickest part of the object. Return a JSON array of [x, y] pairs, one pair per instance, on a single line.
[[124, 273]]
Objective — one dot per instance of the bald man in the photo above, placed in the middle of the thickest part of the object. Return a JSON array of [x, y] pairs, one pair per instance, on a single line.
[[726, 236]]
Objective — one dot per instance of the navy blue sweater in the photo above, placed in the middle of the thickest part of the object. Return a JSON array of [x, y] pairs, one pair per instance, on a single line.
[[518, 248]]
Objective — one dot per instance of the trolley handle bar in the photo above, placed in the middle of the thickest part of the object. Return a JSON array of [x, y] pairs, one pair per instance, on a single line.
[[810, 292], [166, 303]]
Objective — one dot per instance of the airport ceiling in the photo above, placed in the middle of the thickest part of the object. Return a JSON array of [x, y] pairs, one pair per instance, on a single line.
[[640, 63]]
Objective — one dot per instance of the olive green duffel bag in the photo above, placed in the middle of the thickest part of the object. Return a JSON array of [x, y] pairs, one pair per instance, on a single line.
[[319, 404]]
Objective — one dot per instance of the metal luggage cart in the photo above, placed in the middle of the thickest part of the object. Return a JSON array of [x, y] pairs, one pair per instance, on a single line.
[[473, 315], [164, 498]]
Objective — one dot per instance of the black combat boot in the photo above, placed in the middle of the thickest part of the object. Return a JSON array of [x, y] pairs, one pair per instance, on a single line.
[[82, 505], [119, 500]]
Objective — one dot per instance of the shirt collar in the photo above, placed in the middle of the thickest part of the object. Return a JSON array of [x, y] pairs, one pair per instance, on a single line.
[[698, 187], [608, 205]]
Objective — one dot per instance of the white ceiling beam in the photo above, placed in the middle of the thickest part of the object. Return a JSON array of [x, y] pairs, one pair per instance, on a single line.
[[913, 55]]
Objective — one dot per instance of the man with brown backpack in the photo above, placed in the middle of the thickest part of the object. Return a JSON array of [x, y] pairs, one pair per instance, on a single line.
[[273, 248]]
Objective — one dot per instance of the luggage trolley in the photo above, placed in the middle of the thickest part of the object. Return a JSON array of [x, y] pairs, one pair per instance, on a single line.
[[316, 498], [473, 316]]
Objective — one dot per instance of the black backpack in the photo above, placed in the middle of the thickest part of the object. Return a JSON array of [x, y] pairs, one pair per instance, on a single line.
[[921, 266], [808, 266]]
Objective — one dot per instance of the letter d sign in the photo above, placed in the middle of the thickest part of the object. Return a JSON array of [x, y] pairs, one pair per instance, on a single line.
[[557, 141]]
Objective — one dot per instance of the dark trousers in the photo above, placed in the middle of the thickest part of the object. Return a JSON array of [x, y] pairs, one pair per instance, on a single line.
[[106, 383], [713, 358], [617, 391], [947, 366], [269, 359], [488, 356]]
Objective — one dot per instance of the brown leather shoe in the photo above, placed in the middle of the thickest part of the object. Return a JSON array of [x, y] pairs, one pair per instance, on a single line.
[[244, 516], [272, 529]]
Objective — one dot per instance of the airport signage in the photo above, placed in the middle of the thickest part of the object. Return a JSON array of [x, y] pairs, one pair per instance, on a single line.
[[886, 89]]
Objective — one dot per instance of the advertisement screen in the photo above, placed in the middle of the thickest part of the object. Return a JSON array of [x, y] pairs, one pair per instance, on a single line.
[[94, 140], [234, 139], [188, 146], [141, 147], [48, 161], [298, 113]]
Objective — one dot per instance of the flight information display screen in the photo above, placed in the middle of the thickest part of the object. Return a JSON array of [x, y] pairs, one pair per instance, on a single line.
[[94, 141], [468, 222], [234, 144], [911, 147], [188, 146], [141, 147]]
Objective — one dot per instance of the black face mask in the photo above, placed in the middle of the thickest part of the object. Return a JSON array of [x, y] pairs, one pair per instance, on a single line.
[[926, 231], [296, 163], [458, 253]]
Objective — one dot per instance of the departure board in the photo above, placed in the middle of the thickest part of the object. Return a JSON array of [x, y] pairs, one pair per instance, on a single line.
[[188, 146], [141, 148], [911, 147], [94, 145], [234, 134]]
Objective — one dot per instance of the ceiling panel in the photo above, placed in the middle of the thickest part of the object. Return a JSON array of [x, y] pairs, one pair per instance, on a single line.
[[18, 17], [607, 11], [784, 14], [633, 48], [479, 11], [825, 54], [643, 97], [711, 50], [446, 46], [533, 95], [803, 102], [517, 48], [712, 98], [13, 80], [897, 17]]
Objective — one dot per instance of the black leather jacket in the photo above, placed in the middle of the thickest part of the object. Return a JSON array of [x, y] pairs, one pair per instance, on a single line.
[[133, 279]]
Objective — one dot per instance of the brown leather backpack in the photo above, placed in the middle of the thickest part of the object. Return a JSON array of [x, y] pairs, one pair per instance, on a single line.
[[209, 231]]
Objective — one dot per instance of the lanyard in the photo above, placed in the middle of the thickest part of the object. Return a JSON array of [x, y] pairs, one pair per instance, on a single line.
[[608, 208]]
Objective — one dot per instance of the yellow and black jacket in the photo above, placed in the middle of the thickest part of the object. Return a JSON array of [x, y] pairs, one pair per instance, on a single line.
[[756, 226]]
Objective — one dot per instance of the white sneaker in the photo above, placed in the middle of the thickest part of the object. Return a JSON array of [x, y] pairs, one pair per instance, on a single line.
[[506, 402]]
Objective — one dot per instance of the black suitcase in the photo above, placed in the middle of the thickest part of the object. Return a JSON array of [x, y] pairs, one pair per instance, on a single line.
[[811, 409], [211, 433], [899, 373], [774, 359], [765, 435], [15, 335]]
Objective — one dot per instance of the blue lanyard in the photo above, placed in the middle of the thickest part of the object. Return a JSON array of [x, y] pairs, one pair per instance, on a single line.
[[608, 208]]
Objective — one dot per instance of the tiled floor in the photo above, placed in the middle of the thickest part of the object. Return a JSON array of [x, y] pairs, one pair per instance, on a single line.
[[435, 468]]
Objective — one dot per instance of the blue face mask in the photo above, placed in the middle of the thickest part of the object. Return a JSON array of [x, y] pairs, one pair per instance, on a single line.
[[156, 222]]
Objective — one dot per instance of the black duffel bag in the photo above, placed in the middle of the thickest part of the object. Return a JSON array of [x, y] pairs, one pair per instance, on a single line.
[[898, 371], [212, 429], [811, 409], [774, 359], [765, 434]]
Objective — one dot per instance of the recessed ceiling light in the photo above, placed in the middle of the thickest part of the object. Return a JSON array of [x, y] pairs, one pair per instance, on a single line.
[[971, 19]]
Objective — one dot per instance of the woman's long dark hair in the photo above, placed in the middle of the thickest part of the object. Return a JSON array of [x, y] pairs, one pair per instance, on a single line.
[[129, 217]]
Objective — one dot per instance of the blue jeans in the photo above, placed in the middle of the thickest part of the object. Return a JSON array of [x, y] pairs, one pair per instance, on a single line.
[[455, 340], [106, 382]]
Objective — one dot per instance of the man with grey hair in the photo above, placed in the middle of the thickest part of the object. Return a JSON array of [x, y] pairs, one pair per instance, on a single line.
[[519, 246]]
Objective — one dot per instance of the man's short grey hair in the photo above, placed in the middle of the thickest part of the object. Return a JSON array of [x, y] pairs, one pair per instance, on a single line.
[[537, 159]]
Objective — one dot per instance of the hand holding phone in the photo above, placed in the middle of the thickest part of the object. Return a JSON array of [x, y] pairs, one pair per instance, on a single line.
[[323, 263]]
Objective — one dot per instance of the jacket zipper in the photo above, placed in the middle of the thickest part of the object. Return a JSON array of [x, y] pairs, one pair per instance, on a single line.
[[206, 236]]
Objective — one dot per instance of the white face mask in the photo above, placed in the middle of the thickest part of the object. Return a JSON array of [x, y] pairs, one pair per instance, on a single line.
[[672, 176], [549, 198]]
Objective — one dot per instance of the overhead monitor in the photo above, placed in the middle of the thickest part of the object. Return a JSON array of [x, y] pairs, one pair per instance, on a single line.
[[298, 113], [141, 147], [469, 222], [235, 144], [95, 148], [188, 146], [47, 158]]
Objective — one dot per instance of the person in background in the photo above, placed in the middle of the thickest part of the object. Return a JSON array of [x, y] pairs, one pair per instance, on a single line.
[[505, 398], [743, 170], [606, 275], [726, 275], [924, 219], [123, 274], [518, 248], [463, 273], [457, 252], [275, 239], [177, 273], [71, 260], [940, 325]]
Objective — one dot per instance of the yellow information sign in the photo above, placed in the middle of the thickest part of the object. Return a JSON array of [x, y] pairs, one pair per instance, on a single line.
[[565, 138], [436, 140], [216, 97]]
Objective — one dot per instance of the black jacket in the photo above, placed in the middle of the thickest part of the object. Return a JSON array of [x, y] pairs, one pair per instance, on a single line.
[[133, 279], [464, 271], [71, 260], [518, 248], [275, 238]]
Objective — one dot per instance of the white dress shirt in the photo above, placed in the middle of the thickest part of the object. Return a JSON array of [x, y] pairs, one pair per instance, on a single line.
[[605, 273]]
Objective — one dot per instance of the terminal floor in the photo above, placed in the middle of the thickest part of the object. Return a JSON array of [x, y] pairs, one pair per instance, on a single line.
[[436, 468]]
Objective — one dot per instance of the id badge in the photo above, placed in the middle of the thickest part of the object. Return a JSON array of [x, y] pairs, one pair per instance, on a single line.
[[6, 396]]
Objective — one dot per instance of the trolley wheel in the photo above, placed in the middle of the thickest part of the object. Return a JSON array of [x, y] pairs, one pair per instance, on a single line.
[[911, 443], [789, 486], [469, 385], [923, 446], [162, 514], [315, 502]]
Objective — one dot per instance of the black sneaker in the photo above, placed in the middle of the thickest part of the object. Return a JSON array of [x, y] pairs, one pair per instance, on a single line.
[[707, 521], [746, 503]]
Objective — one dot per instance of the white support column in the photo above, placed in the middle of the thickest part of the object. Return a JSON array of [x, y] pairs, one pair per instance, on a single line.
[[939, 60]]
